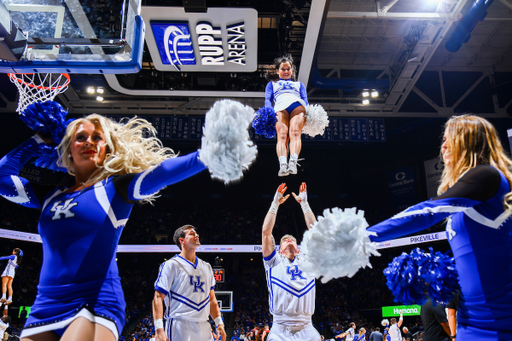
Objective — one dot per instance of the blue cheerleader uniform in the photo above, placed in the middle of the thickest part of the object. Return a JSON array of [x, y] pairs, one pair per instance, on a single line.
[[479, 231], [286, 94], [80, 232]]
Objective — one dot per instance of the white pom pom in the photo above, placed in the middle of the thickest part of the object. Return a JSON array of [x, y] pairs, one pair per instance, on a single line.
[[316, 120], [385, 323], [337, 245], [225, 147]]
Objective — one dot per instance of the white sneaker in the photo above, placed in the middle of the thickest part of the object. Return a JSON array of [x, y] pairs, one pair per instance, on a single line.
[[2, 300], [283, 170], [9, 301], [292, 167]]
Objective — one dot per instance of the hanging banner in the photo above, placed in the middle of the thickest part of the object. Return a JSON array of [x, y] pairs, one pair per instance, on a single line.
[[509, 133], [433, 171], [220, 40], [376, 130], [402, 187]]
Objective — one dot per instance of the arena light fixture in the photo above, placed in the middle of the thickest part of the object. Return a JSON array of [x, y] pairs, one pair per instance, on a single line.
[[91, 90], [100, 90], [366, 101], [99, 99], [375, 93], [365, 93]]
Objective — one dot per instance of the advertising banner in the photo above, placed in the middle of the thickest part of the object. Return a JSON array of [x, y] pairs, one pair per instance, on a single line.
[[220, 40], [401, 187], [433, 171], [32, 237], [509, 133], [407, 310]]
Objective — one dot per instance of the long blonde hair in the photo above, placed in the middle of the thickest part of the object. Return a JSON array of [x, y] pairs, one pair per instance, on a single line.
[[131, 147], [473, 141]]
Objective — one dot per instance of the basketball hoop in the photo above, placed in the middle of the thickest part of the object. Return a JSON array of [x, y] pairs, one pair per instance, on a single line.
[[38, 87]]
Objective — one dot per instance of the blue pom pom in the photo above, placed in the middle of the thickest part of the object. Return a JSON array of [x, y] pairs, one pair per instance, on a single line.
[[441, 276], [403, 279], [48, 118], [414, 277], [264, 122], [47, 158]]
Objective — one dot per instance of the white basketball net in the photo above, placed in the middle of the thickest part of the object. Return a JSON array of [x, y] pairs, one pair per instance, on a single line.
[[38, 87]]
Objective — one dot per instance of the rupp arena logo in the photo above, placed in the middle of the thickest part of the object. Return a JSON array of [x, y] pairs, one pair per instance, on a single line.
[[174, 43], [221, 40]]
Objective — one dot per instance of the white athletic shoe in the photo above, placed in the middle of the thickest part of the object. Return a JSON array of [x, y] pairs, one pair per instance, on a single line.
[[283, 170], [292, 167], [2, 300], [9, 301]]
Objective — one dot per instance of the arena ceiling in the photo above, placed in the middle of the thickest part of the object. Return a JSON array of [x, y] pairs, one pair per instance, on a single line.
[[342, 47]]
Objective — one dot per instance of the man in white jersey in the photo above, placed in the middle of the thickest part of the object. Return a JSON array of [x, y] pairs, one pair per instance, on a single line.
[[291, 293], [394, 329], [185, 283]]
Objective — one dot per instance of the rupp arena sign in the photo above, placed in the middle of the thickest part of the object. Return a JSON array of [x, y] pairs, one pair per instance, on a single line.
[[220, 40]]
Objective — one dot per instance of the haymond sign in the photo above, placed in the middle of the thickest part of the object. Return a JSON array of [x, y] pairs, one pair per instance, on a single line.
[[220, 40]]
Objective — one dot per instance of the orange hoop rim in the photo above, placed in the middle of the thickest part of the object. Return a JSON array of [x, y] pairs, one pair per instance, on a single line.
[[14, 77]]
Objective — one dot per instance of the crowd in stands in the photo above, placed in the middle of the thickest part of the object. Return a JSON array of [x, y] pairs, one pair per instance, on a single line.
[[144, 330]]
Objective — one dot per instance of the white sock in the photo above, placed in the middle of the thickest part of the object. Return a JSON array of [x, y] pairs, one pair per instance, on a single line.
[[3, 296], [10, 298], [294, 157], [283, 160]]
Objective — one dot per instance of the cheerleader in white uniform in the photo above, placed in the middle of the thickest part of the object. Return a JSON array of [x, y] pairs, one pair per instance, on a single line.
[[8, 274], [291, 292], [185, 284]]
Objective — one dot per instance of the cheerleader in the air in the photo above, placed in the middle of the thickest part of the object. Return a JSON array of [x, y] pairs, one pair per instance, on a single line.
[[290, 100], [287, 112], [114, 166], [8, 274]]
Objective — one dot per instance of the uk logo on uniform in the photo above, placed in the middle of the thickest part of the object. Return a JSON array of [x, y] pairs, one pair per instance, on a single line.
[[294, 272], [286, 85], [174, 43], [63, 210], [197, 285]]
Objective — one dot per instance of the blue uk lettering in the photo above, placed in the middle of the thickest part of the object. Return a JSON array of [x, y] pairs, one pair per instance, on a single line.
[[294, 272], [197, 285], [286, 85], [64, 209], [449, 230]]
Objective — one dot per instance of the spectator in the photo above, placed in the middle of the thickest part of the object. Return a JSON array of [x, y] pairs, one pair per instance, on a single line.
[[376, 335], [435, 322], [407, 334]]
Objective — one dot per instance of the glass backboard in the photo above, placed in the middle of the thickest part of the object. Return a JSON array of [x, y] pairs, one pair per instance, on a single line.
[[99, 36]]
